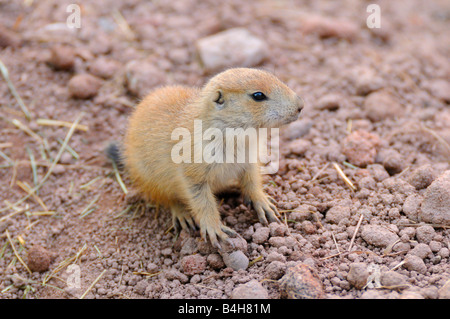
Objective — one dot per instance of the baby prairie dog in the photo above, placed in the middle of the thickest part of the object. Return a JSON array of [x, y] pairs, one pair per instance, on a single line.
[[235, 98]]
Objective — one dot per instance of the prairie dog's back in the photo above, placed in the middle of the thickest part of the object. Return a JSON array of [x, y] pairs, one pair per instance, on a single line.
[[148, 141]]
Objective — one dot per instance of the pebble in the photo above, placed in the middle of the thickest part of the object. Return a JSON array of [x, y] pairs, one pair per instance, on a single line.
[[301, 282], [328, 27], [261, 235], [84, 86], [215, 261], [392, 160], [337, 213], [392, 278], [421, 250], [235, 260], [360, 148], [357, 275], [193, 264], [104, 67], [444, 291], [381, 105], [39, 259], [251, 290], [142, 76], [415, 263], [411, 206], [435, 207], [62, 57], [8, 38], [422, 177], [231, 48], [377, 235], [425, 234]]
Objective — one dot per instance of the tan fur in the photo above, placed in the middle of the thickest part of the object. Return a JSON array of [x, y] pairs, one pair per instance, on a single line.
[[188, 188]]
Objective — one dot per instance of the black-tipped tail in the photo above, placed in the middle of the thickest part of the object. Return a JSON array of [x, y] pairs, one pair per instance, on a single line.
[[115, 155]]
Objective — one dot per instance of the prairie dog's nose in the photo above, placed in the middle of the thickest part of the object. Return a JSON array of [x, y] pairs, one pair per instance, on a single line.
[[300, 104]]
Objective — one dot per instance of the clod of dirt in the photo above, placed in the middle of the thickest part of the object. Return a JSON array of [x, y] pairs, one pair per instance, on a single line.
[[231, 48], [360, 148], [62, 57], [415, 263], [235, 260], [392, 278], [422, 177], [261, 235], [381, 105], [328, 27], [84, 86], [357, 275], [276, 269], [104, 67], [392, 160], [193, 264], [142, 76], [365, 80], [337, 213], [421, 250], [440, 89], [444, 292], [251, 290], [377, 235], [8, 38], [298, 129], [425, 234], [436, 202], [39, 259], [331, 102], [174, 274], [215, 261], [299, 147], [301, 282], [411, 206]]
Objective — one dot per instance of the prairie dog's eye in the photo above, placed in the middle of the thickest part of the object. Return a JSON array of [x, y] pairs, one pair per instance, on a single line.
[[259, 96]]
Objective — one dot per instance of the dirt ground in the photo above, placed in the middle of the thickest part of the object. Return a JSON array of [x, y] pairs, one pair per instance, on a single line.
[[376, 106]]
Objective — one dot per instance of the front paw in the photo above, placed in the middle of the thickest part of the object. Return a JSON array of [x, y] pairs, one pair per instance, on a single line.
[[216, 232], [267, 212]]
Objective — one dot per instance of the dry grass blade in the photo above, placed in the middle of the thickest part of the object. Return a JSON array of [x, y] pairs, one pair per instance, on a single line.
[[356, 231], [64, 263], [119, 179], [344, 177], [88, 209], [123, 25], [25, 187], [16, 253], [13, 90], [93, 284], [27, 130], [52, 166], [5, 145], [47, 122]]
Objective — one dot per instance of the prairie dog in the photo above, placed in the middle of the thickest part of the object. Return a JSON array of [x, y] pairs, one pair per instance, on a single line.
[[235, 98]]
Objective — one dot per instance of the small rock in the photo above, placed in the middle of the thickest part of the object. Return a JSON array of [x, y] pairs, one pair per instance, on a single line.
[[215, 261], [231, 48], [360, 148], [421, 250], [365, 80], [301, 282], [328, 27], [261, 235], [392, 278], [422, 177], [411, 206], [336, 213], [104, 67], [357, 275], [277, 229], [251, 290], [84, 86], [174, 274], [444, 291], [62, 57], [436, 202], [58, 169], [392, 160], [189, 247], [425, 234], [142, 76], [299, 147], [415, 263], [330, 102], [139, 288], [381, 105], [298, 129], [275, 270], [193, 264], [235, 260], [377, 235], [378, 172], [440, 89], [8, 38], [39, 259]]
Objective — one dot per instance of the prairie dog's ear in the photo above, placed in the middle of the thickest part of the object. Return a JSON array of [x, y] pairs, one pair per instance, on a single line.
[[218, 97]]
